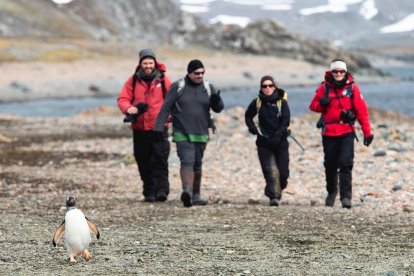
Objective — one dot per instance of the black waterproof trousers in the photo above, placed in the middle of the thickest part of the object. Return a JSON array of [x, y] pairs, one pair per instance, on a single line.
[[275, 168], [339, 160], [152, 160]]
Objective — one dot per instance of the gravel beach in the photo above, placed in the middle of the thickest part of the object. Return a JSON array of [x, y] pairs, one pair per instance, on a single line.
[[89, 156]]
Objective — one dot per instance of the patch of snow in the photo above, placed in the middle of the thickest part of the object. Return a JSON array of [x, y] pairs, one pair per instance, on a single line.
[[404, 25], [228, 19], [62, 1], [195, 2], [368, 9], [194, 9], [277, 7], [333, 6]]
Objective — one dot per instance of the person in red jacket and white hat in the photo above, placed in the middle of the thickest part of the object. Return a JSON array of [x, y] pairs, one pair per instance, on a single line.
[[340, 102]]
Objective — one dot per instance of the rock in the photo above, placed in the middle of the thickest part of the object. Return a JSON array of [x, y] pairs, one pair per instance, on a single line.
[[396, 147], [398, 135], [20, 86], [408, 209], [253, 201], [378, 153], [397, 186], [5, 139]]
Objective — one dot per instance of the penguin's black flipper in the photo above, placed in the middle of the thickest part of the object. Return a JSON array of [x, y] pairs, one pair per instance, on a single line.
[[59, 233], [93, 228]]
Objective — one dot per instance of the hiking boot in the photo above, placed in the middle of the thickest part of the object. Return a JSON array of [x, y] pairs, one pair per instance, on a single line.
[[149, 199], [186, 198], [274, 202], [346, 203], [197, 200], [161, 196], [330, 199]]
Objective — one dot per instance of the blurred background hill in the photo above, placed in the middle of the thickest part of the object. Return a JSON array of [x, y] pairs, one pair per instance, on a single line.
[[283, 28], [354, 24]]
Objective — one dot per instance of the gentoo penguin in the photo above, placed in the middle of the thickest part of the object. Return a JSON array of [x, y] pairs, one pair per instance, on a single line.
[[77, 229]]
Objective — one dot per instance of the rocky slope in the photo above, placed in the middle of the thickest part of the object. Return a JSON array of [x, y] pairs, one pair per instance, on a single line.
[[157, 22]]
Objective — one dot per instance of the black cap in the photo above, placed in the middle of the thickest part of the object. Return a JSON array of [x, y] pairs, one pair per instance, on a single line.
[[194, 65], [145, 53]]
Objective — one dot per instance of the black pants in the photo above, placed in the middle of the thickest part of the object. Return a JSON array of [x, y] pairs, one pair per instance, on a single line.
[[275, 168], [339, 160], [152, 160]]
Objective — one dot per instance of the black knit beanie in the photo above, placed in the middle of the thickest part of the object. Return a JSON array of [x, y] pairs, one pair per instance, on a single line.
[[265, 78], [145, 53], [194, 65]]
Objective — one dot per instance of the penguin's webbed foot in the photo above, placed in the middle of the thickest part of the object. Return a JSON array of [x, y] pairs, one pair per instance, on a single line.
[[86, 255], [72, 259]]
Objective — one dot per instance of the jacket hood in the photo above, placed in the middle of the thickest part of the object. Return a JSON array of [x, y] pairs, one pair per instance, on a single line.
[[278, 94], [331, 81]]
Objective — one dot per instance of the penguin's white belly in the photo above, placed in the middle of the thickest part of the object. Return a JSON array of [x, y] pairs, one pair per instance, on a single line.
[[77, 232]]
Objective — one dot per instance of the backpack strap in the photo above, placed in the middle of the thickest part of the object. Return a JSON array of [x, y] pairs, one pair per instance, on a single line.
[[258, 104], [164, 89], [278, 104], [207, 87], [181, 85]]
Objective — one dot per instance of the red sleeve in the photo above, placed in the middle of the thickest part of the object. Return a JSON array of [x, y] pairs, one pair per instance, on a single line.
[[125, 96], [361, 110], [315, 105]]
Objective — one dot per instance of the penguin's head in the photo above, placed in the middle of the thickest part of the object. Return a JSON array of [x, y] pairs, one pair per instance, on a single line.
[[70, 202]]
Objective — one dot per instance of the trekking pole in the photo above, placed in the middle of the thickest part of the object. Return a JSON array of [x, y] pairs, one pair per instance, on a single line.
[[216, 133], [297, 142], [353, 131]]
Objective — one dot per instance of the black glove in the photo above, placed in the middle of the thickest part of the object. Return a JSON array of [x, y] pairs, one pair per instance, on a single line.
[[368, 140], [215, 98], [142, 107], [253, 130], [158, 135], [348, 115], [324, 101]]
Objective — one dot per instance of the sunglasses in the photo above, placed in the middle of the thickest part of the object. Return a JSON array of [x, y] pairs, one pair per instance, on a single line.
[[267, 85], [198, 73], [338, 72]]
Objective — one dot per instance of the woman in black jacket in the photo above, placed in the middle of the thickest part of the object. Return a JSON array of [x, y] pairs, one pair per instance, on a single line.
[[272, 144]]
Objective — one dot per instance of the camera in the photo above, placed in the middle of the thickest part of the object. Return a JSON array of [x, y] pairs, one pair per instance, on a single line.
[[348, 115], [132, 118]]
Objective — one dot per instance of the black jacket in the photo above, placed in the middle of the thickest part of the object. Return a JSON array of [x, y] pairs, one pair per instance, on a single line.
[[273, 123]]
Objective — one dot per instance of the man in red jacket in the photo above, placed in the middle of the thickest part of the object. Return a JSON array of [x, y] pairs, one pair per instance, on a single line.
[[141, 99], [340, 101]]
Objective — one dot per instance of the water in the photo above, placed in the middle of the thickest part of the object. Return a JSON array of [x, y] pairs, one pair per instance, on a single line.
[[398, 96]]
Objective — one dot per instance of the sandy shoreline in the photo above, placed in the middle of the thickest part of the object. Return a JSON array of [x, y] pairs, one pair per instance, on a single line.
[[105, 77]]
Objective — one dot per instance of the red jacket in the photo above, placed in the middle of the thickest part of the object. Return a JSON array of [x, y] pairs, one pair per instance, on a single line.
[[331, 114], [153, 96]]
